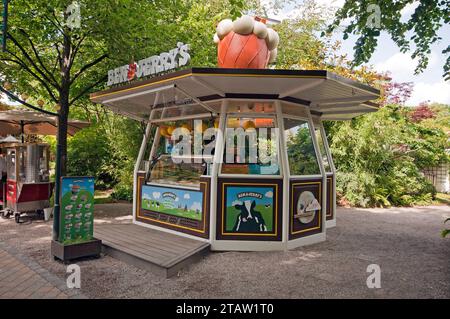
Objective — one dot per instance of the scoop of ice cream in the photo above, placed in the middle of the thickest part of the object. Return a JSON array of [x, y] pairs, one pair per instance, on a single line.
[[246, 43]]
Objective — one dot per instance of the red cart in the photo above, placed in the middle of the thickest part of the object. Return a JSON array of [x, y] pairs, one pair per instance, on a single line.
[[28, 188]]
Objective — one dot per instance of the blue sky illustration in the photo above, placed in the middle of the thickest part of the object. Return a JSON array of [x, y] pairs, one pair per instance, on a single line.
[[193, 199], [232, 194], [85, 183]]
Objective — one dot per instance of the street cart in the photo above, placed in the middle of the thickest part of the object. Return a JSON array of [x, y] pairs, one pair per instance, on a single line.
[[28, 187]]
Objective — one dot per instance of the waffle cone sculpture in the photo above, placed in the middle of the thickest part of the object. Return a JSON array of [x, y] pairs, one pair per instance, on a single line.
[[245, 43]]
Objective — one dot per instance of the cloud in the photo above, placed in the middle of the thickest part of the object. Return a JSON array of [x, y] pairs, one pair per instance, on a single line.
[[269, 194], [187, 196], [236, 202], [156, 195], [402, 67], [196, 206], [331, 3], [294, 10], [177, 199], [430, 92], [408, 10]]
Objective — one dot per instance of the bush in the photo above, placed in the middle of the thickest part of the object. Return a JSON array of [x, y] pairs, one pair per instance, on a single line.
[[379, 158], [88, 154], [123, 192]]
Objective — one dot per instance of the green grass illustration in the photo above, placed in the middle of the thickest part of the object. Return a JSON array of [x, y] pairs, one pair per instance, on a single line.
[[179, 212]]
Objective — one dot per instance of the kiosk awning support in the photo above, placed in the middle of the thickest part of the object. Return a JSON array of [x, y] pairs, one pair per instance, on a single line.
[[142, 150], [195, 99]]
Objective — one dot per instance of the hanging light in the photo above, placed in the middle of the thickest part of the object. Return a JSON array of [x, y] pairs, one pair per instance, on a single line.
[[24, 96], [41, 103]]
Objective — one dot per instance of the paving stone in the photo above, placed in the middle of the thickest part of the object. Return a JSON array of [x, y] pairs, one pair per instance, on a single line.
[[21, 278]]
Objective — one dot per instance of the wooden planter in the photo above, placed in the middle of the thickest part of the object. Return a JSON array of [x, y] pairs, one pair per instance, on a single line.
[[75, 251]]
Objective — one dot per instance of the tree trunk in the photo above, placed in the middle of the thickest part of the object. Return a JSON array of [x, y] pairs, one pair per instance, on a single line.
[[61, 139], [64, 105], [62, 131]]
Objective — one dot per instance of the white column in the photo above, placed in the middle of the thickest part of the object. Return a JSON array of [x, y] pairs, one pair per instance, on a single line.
[[141, 155], [322, 170], [218, 156], [285, 171]]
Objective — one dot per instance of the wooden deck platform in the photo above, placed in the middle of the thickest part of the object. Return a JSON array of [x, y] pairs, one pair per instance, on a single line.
[[150, 249]]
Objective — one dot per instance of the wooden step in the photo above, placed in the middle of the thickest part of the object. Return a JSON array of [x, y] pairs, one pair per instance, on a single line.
[[150, 249]]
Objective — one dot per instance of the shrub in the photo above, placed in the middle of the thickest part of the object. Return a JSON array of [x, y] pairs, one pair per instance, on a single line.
[[379, 158], [123, 192]]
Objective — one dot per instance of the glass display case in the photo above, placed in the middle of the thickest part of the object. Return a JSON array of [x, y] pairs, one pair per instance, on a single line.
[[28, 164], [180, 159], [168, 171]]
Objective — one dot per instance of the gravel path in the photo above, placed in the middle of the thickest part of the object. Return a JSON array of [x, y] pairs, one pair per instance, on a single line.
[[405, 242]]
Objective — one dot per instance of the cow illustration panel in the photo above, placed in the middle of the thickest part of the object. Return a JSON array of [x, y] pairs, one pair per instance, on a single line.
[[249, 210], [305, 208]]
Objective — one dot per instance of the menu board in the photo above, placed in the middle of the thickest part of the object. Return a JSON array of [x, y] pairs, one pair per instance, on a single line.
[[77, 210]]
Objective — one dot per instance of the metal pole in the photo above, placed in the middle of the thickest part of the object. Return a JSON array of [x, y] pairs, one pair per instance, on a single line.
[[22, 129], [56, 209]]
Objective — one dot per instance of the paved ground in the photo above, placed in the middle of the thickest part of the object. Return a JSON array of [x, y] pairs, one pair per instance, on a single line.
[[405, 242], [21, 277]]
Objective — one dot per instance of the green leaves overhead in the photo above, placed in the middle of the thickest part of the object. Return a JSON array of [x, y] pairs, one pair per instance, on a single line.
[[366, 18]]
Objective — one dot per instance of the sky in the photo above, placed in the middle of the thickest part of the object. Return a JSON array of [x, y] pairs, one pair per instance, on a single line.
[[429, 86]]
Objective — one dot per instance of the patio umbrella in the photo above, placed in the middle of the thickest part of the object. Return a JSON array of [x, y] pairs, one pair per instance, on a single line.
[[20, 121], [9, 139]]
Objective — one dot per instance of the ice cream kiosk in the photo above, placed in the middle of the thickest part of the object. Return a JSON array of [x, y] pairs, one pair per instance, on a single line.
[[236, 156]]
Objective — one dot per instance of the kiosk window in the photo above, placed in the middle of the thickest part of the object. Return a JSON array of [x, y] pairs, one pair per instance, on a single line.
[[300, 148], [251, 147], [180, 158], [323, 152]]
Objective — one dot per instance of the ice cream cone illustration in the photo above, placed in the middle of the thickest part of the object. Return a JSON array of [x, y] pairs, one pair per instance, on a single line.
[[245, 43], [75, 189]]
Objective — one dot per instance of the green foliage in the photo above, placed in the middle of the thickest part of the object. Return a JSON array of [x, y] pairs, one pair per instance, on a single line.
[[379, 158], [445, 232], [123, 191], [88, 155], [301, 153], [417, 34]]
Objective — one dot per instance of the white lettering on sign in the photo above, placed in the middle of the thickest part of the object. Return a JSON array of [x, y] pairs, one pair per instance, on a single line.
[[166, 61]]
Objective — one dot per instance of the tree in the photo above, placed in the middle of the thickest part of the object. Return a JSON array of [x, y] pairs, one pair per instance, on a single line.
[[369, 17], [58, 56], [422, 112], [58, 50]]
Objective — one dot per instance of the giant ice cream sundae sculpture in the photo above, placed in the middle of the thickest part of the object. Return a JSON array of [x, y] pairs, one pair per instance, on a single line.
[[245, 43]]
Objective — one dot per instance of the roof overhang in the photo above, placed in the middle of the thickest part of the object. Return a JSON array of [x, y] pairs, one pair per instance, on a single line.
[[330, 95]]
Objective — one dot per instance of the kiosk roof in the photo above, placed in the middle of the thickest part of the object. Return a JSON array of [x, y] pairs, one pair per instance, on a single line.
[[328, 94]]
